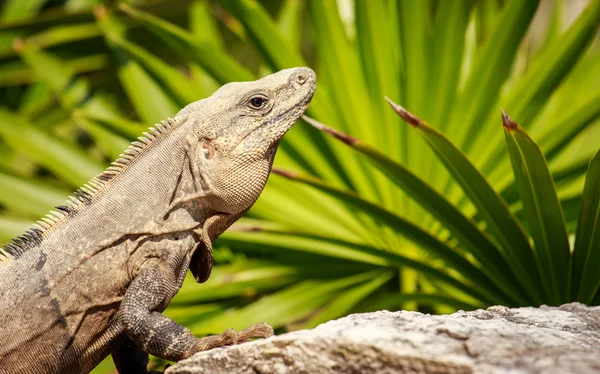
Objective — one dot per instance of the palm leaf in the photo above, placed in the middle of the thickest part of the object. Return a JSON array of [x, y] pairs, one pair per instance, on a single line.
[[586, 280], [544, 214]]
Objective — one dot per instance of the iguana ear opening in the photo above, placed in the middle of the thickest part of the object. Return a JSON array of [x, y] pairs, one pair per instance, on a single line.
[[201, 263]]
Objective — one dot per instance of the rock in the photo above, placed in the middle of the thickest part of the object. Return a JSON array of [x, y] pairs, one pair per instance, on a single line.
[[563, 339]]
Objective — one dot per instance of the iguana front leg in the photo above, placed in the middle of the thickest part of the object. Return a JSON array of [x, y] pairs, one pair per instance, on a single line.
[[160, 336]]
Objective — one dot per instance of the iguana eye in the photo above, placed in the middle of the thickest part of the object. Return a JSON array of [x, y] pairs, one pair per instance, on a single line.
[[257, 102]]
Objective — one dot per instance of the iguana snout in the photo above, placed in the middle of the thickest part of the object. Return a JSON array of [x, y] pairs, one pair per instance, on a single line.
[[275, 103]]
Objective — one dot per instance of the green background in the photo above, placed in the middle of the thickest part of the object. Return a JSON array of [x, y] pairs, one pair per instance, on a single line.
[[454, 213]]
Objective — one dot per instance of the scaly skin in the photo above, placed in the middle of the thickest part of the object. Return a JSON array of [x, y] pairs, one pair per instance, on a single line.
[[94, 278]]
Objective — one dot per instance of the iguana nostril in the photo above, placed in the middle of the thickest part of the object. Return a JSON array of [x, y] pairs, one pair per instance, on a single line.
[[301, 78]]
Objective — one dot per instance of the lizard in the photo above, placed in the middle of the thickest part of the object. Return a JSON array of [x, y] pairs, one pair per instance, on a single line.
[[93, 277]]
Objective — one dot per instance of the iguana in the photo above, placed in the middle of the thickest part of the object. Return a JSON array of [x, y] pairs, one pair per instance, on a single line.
[[92, 278]]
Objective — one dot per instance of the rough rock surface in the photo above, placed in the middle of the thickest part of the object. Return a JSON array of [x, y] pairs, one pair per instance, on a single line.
[[497, 340]]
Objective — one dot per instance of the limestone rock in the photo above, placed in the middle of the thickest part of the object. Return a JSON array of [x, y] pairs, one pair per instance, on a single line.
[[561, 340]]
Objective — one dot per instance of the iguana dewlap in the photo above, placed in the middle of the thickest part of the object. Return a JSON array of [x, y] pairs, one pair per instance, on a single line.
[[93, 277]]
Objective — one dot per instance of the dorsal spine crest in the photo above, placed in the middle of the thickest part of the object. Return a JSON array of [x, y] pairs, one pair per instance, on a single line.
[[85, 194]]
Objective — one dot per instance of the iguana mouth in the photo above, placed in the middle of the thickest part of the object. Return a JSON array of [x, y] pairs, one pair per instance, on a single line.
[[282, 116]]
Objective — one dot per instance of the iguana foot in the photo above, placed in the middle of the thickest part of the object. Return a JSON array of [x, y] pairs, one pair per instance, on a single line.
[[230, 337], [258, 330]]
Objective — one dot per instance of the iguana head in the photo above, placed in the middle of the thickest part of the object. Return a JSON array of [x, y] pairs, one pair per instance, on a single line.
[[239, 128], [236, 133]]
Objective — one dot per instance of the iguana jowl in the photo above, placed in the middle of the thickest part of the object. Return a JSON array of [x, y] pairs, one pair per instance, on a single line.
[[93, 277]]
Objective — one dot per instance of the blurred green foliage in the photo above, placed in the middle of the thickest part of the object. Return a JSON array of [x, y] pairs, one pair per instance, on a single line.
[[431, 217]]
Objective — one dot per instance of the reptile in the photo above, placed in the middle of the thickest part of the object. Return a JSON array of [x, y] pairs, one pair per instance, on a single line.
[[93, 277]]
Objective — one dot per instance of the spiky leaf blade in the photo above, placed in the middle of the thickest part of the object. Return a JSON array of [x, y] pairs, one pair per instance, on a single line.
[[586, 254], [543, 211]]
